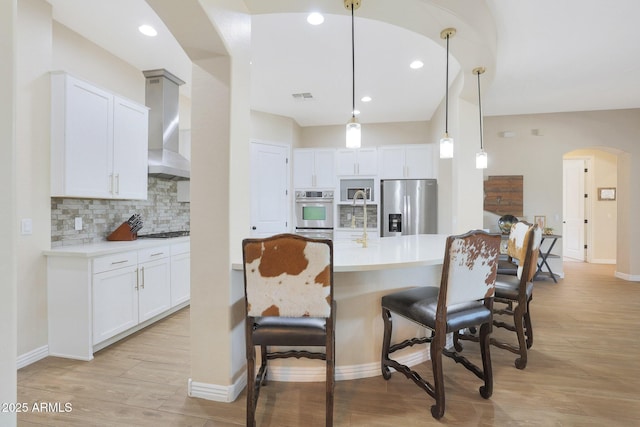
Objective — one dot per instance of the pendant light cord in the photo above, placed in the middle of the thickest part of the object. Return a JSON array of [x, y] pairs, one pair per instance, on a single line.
[[446, 90], [480, 110], [353, 67]]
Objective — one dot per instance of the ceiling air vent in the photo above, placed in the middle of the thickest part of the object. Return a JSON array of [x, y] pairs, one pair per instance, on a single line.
[[303, 96]]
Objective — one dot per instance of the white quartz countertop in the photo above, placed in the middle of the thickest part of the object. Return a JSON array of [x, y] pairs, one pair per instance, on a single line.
[[108, 247], [386, 253]]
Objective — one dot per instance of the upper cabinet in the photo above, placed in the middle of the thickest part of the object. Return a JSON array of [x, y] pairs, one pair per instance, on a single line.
[[98, 142], [356, 162], [314, 168], [406, 161]]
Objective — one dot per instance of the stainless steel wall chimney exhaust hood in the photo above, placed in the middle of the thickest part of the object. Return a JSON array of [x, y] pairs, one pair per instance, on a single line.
[[162, 97]]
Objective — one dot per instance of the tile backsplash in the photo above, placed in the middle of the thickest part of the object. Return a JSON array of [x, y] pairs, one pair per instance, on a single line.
[[160, 212]]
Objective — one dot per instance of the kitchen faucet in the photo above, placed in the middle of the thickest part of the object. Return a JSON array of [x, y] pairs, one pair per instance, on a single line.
[[353, 217]]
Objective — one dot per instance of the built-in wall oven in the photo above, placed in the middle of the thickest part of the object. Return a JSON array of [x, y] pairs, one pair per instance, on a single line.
[[314, 213]]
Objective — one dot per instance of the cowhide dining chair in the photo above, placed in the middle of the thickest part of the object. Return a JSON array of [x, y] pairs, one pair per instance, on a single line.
[[288, 282], [463, 300], [514, 292]]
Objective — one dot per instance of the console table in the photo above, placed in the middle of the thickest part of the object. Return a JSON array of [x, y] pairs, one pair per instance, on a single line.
[[542, 260]]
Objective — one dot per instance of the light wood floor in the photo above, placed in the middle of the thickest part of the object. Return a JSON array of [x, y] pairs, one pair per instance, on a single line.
[[584, 370]]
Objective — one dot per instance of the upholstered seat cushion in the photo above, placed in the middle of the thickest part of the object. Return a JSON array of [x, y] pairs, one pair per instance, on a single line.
[[292, 331], [420, 304], [507, 287], [507, 267]]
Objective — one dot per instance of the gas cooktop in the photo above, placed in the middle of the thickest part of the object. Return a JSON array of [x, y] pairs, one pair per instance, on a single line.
[[164, 235]]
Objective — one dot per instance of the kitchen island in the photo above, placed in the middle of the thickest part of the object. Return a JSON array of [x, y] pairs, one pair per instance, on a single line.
[[361, 277]]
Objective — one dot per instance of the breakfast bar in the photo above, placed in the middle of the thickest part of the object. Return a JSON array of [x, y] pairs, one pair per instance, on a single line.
[[361, 277]]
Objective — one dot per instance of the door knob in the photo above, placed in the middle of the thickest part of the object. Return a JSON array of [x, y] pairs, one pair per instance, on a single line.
[[253, 227]]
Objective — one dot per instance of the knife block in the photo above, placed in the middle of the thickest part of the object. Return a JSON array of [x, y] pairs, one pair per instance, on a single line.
[[123, 232]]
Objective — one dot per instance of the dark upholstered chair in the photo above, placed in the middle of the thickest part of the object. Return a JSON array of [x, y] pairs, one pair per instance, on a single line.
[[514, 292], [288, 282], [463, 300]]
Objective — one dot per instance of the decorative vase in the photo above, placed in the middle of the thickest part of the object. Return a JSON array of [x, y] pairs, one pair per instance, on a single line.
[[505, 222]]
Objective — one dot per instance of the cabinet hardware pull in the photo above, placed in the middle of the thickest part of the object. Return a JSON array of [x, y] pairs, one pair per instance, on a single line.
[[142, 284], [157, 253], [137, 279], [111, 183], [117, 183], [119, 262]]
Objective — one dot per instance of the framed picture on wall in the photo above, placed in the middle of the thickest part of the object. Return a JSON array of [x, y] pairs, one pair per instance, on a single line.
[[541, 220], [606, 193]]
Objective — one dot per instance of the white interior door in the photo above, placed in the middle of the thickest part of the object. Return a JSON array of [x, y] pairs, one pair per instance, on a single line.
[[573, 209], [269, 189]]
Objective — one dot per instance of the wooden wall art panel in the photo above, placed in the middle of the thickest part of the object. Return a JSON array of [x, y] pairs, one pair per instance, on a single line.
[[503, 195]]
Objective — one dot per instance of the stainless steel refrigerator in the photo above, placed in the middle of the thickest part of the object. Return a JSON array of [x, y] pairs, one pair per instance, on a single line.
[[409, 206]]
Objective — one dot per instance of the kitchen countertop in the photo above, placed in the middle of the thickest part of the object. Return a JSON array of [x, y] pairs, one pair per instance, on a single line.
[[385, 253], [110, 247]]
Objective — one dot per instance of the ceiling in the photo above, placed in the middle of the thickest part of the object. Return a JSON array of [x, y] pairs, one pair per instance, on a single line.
[[548, 56]]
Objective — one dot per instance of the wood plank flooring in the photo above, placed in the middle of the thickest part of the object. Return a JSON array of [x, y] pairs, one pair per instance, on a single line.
[[583, 370]]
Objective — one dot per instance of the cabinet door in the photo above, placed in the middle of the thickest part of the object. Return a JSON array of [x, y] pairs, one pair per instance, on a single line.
[[130, 148], [84, 144], [180, 278], [391, 162], [115, 302], [325, 169], [303, 168], [346, 162], [154, 288], [367, 161], [419, 162]]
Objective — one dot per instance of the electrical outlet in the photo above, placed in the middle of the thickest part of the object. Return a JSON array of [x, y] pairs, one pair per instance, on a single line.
[[26, 227], [78, 223]]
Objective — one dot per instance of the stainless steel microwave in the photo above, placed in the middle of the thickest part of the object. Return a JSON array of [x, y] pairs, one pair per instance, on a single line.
[[353, 190]]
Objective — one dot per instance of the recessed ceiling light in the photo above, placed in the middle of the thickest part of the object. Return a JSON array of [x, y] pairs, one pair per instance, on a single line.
[[416, 64], [365, 99], [315, 18], [148, 30]]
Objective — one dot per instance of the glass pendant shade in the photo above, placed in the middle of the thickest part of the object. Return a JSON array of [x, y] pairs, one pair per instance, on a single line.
[[481, 160], [446, 147], [353, 133]]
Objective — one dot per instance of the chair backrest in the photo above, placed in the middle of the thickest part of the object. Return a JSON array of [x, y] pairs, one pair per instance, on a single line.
[[470, 267], [288, 275], [524, 242]]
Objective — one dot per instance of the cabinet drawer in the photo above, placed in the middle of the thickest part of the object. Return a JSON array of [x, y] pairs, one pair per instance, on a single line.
[[180, 248], [151, 254], [111, 262]]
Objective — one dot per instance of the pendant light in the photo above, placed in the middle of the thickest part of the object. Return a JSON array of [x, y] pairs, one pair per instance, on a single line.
[[353, 127], [446, 143], [481, 157]]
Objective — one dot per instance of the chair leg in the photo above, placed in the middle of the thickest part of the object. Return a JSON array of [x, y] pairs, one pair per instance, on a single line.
[[386, 342], [518, 321], [527, 324], [487, 389], [251, 396], [436, 347], [330, 380]]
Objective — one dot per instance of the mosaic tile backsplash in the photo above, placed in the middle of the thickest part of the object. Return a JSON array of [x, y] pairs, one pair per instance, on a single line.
[[160, 212], [346, 211]]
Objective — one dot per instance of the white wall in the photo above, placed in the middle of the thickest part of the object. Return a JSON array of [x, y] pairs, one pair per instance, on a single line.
[[8, 218], [539, 159], [267, 127], [373, 135]]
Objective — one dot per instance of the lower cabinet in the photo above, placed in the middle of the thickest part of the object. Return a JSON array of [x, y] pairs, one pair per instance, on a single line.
[[93, 302]]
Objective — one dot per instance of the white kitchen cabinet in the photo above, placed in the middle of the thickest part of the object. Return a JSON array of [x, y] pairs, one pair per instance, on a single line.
[[406, 162], [154, 286], [99, 142], [357, 162], [180, 273], [115, 295], [313, 168], [95, 300]]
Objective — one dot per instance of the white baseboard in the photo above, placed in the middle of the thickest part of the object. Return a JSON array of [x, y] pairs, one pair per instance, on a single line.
[[603, 261], [217, 393], [32, 356], [629, 277]]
